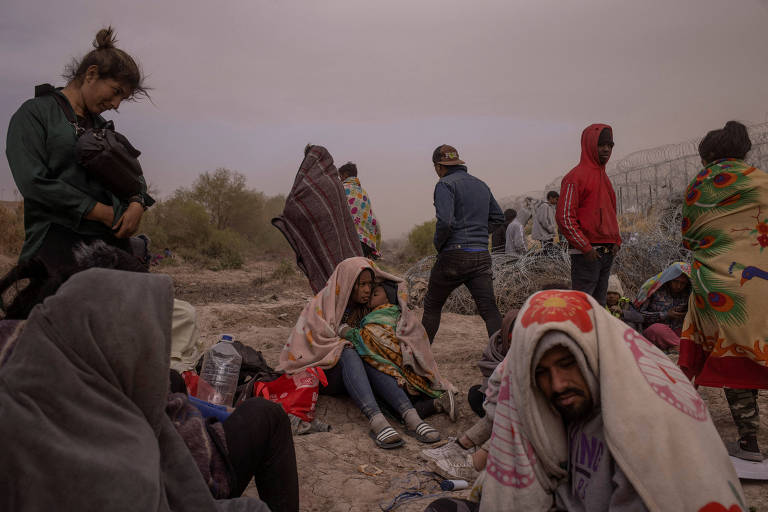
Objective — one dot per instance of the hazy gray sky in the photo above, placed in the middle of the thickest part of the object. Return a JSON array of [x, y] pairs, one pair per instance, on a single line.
[[246, 84]]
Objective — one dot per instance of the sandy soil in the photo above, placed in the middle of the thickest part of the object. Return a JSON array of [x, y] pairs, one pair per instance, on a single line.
[[260, 310]]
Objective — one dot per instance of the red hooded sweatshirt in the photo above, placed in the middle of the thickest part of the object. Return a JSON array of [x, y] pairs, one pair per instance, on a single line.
[[586, 210]]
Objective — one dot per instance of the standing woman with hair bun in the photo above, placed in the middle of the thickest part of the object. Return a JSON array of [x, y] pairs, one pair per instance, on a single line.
[[724, 342], [63, 204]]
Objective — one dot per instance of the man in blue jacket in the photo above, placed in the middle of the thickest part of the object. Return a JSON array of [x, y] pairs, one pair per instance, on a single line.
[[466, 213]]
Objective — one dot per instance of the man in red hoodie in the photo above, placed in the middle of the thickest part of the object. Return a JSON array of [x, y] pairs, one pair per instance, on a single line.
[[586, 214]]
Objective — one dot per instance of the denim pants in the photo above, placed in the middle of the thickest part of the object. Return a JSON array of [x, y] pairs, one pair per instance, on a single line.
[[591, 276], [361, 381], [451, 270]]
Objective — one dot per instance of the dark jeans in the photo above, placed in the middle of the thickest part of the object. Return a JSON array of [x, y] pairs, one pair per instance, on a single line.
[[476, 398], [452, 505], [360, 381], [591, 276], [260, 446], [451, 270]]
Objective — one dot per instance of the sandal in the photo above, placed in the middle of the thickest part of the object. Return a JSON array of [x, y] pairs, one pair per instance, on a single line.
[[424, 433], [387, 439]]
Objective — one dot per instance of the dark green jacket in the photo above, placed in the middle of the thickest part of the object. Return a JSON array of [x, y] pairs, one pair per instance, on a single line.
[[56, 190]]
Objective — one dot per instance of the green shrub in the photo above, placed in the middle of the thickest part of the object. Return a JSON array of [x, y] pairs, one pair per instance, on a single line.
[[421, 240], [217, 222], [224, 247]]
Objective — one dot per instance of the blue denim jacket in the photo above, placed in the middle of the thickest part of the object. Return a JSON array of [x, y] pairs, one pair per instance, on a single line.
[[466, 211]]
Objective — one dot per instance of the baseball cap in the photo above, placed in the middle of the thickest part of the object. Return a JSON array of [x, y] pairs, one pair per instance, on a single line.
[[446, 155]]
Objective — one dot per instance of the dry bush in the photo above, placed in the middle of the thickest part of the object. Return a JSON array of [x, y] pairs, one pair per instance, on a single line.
[[11, 228]]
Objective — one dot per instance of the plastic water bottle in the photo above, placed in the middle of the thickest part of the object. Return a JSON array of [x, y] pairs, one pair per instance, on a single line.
[[221, 368]]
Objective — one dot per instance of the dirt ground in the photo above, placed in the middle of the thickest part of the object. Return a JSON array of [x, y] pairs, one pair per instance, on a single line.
[[260, 311]]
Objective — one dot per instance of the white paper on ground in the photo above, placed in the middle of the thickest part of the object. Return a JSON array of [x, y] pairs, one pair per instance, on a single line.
[[750, 470]]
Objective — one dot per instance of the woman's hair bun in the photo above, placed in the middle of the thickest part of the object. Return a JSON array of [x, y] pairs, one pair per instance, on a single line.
[[735, 127], [105, 39]]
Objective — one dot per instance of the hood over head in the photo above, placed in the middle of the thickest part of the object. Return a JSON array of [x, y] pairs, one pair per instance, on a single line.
[[589, 138]]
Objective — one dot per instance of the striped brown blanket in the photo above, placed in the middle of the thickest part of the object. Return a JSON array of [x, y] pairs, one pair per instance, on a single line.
[[316, 220]]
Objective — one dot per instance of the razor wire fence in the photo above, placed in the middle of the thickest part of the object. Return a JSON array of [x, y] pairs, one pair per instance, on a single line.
[[650, 245], [654, 178]]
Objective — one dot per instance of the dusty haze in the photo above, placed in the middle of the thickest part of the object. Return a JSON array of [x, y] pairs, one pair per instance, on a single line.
[[246, 84]]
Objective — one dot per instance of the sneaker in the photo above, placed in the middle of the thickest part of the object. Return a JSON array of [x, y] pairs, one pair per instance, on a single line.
[[451, 461], [446, 403]]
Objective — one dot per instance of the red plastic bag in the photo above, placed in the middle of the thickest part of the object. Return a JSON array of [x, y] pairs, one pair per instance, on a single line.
[[191, 379], [296, 393]]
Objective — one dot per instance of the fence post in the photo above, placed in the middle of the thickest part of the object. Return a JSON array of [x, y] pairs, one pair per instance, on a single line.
[[621, 200]]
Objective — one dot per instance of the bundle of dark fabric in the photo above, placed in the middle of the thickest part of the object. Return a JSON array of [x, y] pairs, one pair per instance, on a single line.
[[206, 441], [316, 220], [83, 393]]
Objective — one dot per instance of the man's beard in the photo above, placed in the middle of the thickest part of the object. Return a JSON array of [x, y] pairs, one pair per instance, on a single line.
[[575, 411]]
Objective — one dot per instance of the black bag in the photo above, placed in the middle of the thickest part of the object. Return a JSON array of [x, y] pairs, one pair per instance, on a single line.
[[111, 159], [104, 153]]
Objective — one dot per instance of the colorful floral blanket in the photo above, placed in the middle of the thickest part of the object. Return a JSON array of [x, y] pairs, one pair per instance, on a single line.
[[377, 343], [652, 285], [314, 340], [725, 224], [668, 449], [359, 203]]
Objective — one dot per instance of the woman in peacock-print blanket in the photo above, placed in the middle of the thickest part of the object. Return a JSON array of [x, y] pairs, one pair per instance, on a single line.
[[376, 341], [724, 342]]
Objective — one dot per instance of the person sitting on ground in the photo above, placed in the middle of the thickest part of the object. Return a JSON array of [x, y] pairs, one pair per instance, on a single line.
[[515, 237], [544, 225], [483, 396], [252, 443], [315, 342], [661, 305], [615, 301], [377, 344], [92, 360], [361, 209], [499, 235], [568, 433]]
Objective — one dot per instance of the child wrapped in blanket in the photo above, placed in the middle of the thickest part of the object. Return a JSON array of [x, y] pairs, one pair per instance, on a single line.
[[377, 343]]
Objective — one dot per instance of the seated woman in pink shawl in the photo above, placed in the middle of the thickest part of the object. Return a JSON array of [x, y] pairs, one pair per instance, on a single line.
[[315, 341]]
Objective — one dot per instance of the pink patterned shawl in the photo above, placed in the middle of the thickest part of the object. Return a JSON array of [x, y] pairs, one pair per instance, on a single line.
[[314, 340], [657, 427]]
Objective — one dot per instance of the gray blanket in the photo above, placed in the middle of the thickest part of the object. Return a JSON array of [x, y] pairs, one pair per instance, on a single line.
[[82, 404]]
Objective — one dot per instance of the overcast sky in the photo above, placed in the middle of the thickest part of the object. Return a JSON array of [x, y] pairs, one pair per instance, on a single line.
[[511, 84]]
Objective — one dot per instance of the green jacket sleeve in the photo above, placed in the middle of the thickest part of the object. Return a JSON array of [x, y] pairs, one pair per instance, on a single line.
[[25, 149]]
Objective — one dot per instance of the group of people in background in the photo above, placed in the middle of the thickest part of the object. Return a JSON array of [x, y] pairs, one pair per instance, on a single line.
[[578, 409]]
